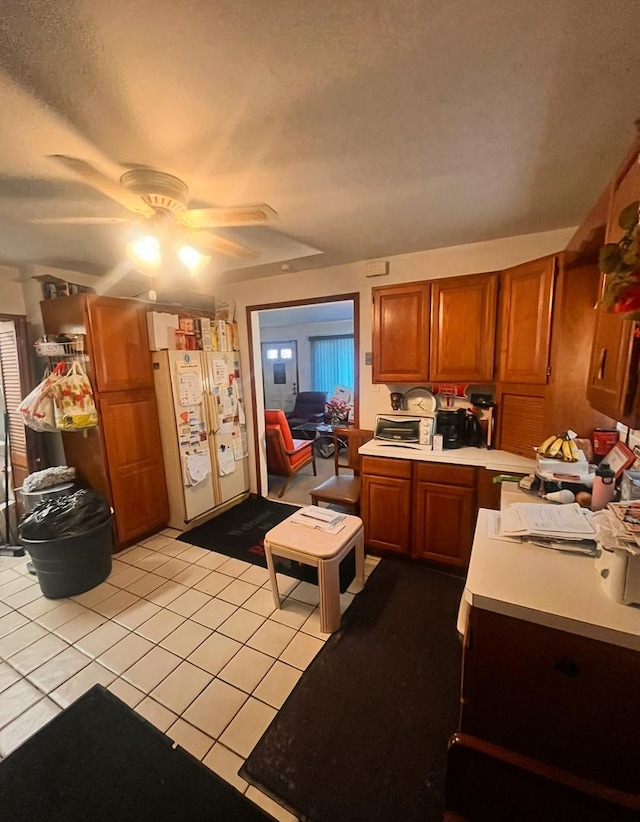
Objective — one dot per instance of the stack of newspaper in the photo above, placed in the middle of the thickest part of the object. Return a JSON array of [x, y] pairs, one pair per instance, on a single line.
[[323, 519], [562, 527]]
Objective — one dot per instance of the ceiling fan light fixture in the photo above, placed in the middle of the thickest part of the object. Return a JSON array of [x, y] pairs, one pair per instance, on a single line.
[[145, 251], [192, 259]]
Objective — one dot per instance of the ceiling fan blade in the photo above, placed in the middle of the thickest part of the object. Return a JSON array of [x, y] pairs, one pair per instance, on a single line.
[[102, 183], [79, 220], [205, 241], [255, 214]]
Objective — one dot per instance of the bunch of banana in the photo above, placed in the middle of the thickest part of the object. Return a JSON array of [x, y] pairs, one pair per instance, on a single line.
[[561, 447]]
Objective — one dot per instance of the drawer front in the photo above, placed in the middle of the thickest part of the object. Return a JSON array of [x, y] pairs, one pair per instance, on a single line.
[[384, 467], [446, 474]]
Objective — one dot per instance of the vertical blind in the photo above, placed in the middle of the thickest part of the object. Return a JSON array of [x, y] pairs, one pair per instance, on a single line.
[[12, 383], [332, 362]]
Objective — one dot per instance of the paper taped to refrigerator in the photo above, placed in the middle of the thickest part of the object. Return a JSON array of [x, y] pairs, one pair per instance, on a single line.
[[237, 444], [226, 462], [197, 467], [220, 373]]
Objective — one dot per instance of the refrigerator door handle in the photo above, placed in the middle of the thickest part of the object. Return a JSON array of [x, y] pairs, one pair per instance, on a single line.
[[212, 413]]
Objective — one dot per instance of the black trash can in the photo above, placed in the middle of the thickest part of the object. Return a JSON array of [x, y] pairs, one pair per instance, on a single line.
[[69, 566]]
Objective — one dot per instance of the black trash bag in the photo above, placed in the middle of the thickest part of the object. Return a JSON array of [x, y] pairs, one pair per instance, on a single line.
[[68, 516]]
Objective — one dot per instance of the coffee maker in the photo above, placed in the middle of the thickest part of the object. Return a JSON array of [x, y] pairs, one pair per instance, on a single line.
[[484, 406], [451, 424]]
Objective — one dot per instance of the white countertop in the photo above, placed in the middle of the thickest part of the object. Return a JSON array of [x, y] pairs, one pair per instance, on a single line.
[[546, 587], [481, 457]]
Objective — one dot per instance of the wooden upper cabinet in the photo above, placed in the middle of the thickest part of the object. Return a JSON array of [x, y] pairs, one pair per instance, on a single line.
[[463, 325], [526, 296], [120, 346], [613, 378], [401, 333]]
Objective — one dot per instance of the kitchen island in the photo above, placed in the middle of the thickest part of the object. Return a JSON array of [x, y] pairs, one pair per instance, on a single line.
[[551, 664], [423, 504]]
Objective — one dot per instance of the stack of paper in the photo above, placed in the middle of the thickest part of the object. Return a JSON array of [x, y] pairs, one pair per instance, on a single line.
[[562, 527], [331, 522]]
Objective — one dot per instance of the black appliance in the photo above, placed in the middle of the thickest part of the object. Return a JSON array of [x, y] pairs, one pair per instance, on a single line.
[[452, 425], [473, 432]]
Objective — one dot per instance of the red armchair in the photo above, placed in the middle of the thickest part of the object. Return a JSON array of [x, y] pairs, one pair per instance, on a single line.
[[285, 456]]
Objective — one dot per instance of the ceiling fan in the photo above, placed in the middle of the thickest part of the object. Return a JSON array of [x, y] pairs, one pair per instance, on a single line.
[[160, 202]]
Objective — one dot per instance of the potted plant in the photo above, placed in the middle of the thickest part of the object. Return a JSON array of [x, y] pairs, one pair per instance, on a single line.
[[621, 263]]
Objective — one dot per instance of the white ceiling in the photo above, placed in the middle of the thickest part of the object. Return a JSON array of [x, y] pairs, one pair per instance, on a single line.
[[373, 128]]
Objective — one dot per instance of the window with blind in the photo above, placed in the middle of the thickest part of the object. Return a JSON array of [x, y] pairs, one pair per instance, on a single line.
[[11, 387], [332, 362]]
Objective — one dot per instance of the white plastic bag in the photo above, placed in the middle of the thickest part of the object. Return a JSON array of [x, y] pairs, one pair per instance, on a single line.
[[37, 408]]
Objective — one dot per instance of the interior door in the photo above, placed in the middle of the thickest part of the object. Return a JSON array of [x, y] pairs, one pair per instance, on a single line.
[[280, 374]]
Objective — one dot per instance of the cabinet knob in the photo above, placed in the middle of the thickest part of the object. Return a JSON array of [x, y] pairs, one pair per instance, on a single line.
[[567, 667]]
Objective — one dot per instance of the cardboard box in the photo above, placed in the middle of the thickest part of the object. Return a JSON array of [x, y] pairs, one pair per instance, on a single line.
[[161, 328], [546, 465]]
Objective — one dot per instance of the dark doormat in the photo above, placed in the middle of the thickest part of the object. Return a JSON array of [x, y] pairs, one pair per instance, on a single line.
[[363, 736], [98, 760], [239, 533]]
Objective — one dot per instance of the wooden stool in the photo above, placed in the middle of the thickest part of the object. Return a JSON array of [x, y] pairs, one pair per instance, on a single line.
[[312, 546]]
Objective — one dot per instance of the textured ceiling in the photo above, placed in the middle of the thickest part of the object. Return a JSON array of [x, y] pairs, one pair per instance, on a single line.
[[373, 128]]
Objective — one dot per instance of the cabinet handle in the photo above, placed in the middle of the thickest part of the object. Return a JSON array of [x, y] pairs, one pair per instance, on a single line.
[[567, 667], [603, 360]]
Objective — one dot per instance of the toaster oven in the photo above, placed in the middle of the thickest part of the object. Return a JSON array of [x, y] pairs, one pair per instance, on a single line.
[[398, 429]]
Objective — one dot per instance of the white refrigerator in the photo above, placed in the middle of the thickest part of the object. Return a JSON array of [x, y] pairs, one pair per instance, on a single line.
[[203, 432]]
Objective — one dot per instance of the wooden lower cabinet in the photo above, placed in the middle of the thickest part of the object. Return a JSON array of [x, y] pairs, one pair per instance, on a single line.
[[129, 421], [443, 512], [385, 504], [560, 698], [422, 510]]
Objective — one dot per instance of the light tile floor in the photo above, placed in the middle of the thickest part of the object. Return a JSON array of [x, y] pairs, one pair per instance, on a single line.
[[187, 637]]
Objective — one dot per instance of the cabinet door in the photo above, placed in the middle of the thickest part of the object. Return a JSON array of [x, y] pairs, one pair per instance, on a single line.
[[401, 333], [132, 442], [385, 504], [119, 344], [560, 698], [463, 326], [613, 377], [525, 321], [443, 522]]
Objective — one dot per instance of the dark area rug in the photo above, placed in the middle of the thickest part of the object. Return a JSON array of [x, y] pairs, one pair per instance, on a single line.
[[363, 736], [98, 760], [239, 533]]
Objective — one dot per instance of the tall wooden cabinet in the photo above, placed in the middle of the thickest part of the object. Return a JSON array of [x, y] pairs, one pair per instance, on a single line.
[[122, 457], [613, 386]]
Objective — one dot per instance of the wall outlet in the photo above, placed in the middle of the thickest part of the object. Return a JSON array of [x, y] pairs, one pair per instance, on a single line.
[[368, 360]]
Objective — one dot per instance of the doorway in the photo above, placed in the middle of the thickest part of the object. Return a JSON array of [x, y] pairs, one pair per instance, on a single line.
[[320, 328]]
